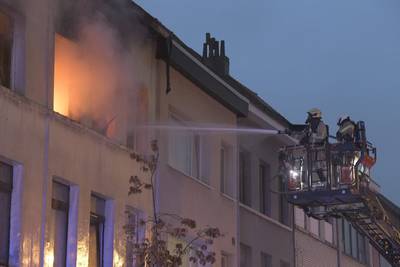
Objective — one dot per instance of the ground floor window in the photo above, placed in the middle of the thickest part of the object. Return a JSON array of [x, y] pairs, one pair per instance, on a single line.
[[266, 260], [245, 255], [59, 222], [96, 232]]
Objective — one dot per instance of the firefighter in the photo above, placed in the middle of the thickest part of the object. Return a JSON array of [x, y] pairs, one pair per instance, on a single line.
[[316, 134], [346, 131], [345, 136], [316, 131]]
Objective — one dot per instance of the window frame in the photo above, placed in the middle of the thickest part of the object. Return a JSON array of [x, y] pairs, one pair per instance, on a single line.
[[139, 234], [7, 188], [226, 183], [265, 187], [17, 57], [196, 150], [353, 250], [63, 206], [266, 259], [246, 254], [225, 259], [222, 167], [284, 207], [99, 221], [245, 177]]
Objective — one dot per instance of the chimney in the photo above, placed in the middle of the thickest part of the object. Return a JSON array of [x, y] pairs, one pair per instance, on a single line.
[[214, 55]]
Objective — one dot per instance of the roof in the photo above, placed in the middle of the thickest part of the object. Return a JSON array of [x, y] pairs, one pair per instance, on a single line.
[[390, 206], [239, 87]]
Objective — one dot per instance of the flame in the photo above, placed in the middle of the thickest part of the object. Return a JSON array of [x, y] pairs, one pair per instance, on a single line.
[[62, 74]]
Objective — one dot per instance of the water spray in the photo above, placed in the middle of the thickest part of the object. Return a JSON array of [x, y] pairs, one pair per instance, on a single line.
[[230, 130]]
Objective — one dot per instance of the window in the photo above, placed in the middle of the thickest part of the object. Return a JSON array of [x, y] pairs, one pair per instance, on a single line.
[[226, 185], [299, 217], [244, 178], [284, 206], [265, 188], [383, 262], [354, 243], [59, 222], [6, 43], [184, 149], [314, 226], [266, 260], [135, 233], [328, 231], [96, 232], [346, 237], [6, 184], [245, 255], [225, 261], [362, 253], [223, 170], [284, 264]]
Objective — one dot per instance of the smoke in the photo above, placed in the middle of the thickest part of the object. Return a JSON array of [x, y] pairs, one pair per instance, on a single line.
[[96, 66]]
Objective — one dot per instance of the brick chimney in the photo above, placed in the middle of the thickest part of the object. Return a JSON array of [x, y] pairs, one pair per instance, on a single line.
[[214, 55]]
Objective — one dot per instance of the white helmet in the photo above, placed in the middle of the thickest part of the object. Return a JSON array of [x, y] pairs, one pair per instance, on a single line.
[[343, 118], [315, 113]]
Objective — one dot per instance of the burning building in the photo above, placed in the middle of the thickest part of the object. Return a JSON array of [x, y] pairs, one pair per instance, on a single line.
[[78, 82]]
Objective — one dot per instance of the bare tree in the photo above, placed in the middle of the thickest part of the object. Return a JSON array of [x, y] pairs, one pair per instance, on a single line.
[[193, 241]]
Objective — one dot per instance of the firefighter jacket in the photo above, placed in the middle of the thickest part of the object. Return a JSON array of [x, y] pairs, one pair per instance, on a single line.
[[346, 131]]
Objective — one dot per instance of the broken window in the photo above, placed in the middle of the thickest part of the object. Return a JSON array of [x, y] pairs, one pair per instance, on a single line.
[[6, 174], [6, 40]]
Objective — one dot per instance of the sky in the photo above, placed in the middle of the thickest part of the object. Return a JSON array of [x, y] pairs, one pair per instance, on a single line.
[[338, 55]]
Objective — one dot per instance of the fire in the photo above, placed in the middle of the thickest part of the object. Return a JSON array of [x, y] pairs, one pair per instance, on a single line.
[[94, 82], [62, 74]]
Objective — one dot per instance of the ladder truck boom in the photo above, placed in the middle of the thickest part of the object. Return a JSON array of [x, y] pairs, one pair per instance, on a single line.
[[334, 180]]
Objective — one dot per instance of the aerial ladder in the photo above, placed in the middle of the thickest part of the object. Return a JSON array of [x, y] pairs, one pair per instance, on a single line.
[[333, 180]]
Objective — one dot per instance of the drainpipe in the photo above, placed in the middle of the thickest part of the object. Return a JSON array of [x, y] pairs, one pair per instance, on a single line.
[[294, 236], [237, 205]]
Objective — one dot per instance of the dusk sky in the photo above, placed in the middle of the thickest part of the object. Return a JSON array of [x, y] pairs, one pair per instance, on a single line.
[[339, 55]]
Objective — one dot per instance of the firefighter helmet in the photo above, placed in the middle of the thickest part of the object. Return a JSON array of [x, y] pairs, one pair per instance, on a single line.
[[315, 113], [342, 119]]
